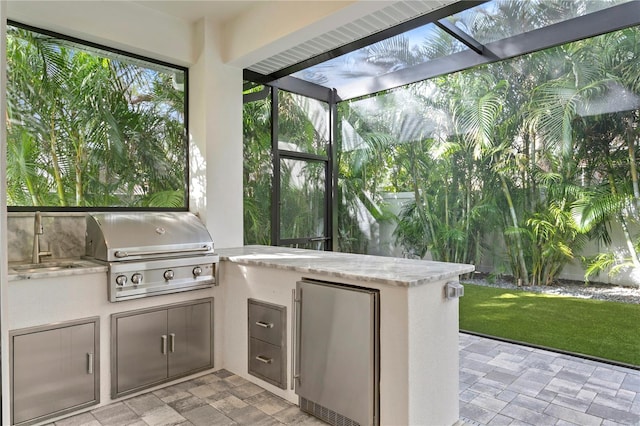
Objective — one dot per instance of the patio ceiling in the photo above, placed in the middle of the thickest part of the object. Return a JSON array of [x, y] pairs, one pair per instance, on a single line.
[[442, 38]]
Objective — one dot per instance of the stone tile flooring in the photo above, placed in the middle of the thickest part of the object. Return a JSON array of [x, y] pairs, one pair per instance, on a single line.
[[506, 384], [500, 384], [220, 398]]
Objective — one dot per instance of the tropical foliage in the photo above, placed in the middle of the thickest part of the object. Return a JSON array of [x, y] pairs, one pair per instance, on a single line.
[[88, 128], [303, 134], [518, 165], [258, 171]]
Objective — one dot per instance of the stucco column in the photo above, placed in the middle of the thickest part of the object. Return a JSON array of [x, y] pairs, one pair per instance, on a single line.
[[215, 121]]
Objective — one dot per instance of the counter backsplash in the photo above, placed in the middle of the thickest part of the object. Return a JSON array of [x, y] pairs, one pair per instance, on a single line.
[[63, 235]]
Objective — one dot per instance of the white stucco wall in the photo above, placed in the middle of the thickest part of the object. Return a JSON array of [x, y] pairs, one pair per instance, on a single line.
[[120, 24]]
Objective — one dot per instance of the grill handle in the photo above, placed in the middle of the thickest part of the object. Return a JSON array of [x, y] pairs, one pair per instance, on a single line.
[[122, 254]]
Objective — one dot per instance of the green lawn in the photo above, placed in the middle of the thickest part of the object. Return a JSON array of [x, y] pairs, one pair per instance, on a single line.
[[606, 330]]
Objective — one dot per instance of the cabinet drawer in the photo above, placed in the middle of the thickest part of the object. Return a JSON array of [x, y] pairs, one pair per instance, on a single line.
[[267, 322], [266, 362]]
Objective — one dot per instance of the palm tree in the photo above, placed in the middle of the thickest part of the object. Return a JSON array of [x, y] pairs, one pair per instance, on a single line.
[[258, 172], [576, 114], [107, 132]]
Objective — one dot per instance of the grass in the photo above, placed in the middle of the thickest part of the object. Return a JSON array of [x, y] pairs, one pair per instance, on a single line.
[[607, 330]]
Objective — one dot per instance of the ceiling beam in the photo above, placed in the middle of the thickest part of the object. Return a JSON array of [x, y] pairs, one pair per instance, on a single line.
[[464, 38], [292, 84]]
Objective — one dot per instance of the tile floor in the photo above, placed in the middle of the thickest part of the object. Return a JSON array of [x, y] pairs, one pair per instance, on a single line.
[[507, 384], [221, 398], [500, 384]]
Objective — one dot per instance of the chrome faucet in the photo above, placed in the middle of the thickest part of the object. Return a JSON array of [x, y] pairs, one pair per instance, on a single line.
[[38, 230]]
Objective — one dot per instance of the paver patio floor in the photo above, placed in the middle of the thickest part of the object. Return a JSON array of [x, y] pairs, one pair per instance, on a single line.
[[508, 384]]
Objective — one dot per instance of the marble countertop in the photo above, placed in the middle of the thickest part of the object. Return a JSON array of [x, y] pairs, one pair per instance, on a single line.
[[378, 269], [384, 270], [55, 268]]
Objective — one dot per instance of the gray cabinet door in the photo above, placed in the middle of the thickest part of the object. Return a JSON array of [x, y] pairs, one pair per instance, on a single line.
[[190, 338], [53, 371], [141, 356], [154, 345]]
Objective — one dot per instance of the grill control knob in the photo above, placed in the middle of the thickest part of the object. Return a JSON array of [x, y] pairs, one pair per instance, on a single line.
[[121, 280], [136, 278], [168, 274], [197, 271]]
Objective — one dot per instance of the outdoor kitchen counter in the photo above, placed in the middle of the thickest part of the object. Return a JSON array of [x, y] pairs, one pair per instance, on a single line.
[[418, 329], [365, 268], [80, 267]]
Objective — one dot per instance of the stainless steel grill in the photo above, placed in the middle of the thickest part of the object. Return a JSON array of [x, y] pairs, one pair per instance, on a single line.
[[151, 253]]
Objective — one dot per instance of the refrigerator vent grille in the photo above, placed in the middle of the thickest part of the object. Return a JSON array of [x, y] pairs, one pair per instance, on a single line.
[[325, 414]]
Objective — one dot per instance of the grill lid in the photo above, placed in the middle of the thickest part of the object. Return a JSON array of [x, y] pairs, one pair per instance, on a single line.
[[145, 235]]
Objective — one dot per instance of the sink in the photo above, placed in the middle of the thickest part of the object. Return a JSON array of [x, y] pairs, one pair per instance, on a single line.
[[46, 266]]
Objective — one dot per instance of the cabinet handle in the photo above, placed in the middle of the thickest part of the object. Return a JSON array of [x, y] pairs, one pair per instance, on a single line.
[[296, 304], [163, 344], [264, 324], [263, 359], [172, 342], [89, 362]]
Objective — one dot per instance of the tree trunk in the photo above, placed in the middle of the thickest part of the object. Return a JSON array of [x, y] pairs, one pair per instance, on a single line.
[[633, 168], [629, 241], [32, 191], [636, 198], [78, 167], [420, 203], [447, 249], [467, 225], [512, 211], [56, 166]]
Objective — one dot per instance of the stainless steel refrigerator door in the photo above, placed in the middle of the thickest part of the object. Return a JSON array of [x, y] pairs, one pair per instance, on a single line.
[[336, 359]]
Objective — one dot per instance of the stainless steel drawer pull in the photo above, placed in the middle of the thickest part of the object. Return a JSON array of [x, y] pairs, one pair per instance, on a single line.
[[172, 342], [265, 360], [294, 327], [89, 362], [264, 324], [163, 344]]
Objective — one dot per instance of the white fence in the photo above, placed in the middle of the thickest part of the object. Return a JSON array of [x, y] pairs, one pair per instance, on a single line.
[[382, 242]]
